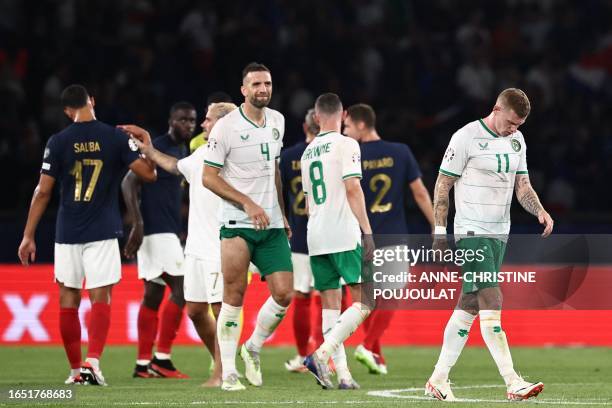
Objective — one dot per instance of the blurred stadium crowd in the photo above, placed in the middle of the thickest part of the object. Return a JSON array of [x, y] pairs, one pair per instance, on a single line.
[[427, 67]]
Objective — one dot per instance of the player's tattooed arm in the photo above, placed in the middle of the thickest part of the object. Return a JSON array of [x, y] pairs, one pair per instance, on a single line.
[[529, 200], [442, 189], [526, 195]]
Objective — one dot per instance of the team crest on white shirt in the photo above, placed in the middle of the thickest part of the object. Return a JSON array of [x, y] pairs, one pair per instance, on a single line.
[[516, 145], [450, 154], [275, 133]]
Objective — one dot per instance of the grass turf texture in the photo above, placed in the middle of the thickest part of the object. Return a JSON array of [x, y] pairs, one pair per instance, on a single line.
[[572, 377]]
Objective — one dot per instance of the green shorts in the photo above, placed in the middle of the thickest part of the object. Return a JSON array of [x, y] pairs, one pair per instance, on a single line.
[[270, 250], [492, 250], [327, 269]]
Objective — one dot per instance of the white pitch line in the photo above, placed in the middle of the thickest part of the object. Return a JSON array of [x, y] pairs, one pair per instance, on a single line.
[[397, 394]]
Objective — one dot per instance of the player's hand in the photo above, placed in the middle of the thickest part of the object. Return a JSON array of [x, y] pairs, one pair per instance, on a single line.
[[134, 241], [546, 220], [368, 247], [440, 244], [27, 251], [140, 136], [287, 227], [257, 215]]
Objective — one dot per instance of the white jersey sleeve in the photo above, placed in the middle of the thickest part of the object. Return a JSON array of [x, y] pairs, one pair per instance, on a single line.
[[217, 147], [522, 167], [281, 128], [188, 164], [306, 185], [456, 155], [351, 159]]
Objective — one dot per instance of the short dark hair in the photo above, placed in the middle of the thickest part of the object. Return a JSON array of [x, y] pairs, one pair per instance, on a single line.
[[328, 103], [181, 106], [516, 100], [74, 96], [253, 67], [362, 112], [218, 97]]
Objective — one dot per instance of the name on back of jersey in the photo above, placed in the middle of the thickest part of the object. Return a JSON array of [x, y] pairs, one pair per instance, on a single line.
[[86, 147], [316, 151], [382, 163]]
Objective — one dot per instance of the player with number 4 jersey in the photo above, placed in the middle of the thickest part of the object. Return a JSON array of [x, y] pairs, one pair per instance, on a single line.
[[88, 159]]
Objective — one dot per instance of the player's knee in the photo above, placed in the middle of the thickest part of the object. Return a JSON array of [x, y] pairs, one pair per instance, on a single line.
[[152, 298], [196, 312], [469, 304], [283, 297]]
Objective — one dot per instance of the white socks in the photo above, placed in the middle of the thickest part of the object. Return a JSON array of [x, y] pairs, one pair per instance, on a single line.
[[346, 325], [330, 316], [228, 334], [455, 337], [269, 317], [497, 343], [95, 363], [162, 356]]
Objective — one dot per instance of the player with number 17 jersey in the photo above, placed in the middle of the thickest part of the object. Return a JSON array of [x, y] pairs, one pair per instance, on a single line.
[[89, 160]]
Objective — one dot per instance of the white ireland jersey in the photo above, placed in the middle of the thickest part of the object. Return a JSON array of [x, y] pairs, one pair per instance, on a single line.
[[487, 165], [328, 160], [203, 226], [246, 155]]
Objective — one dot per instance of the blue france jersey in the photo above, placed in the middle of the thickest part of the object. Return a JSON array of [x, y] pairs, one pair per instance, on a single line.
[[388, 169], [160, 202], [293, 194], [88, 159]]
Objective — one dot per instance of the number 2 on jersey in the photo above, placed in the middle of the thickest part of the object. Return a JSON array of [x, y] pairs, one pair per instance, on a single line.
[[299, 207], [77, 172], [319, 192], [377, 206]]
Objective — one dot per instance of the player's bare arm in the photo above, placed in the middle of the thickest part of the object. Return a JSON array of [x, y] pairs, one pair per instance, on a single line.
[[130, 188], [442, 189], [529, 200], [281, 198], [40, 200], [423, 200], [356, 199], [213, 181], [163, 160]]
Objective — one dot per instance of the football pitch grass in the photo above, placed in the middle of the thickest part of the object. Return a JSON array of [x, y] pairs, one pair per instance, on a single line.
[[578, 377]]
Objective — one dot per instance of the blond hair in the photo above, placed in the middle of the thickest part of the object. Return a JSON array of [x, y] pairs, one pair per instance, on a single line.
[[516, 100], [220, 109]]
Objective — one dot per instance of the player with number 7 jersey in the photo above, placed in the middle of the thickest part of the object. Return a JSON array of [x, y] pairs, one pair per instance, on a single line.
[[89, 159]]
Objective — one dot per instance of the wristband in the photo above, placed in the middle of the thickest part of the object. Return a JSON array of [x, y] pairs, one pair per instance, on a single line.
[[439, 230]]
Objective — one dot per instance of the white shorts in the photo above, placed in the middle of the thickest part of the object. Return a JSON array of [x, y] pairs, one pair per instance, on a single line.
[[203, 280], [303, 280], [160, 253], [98, 263]]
